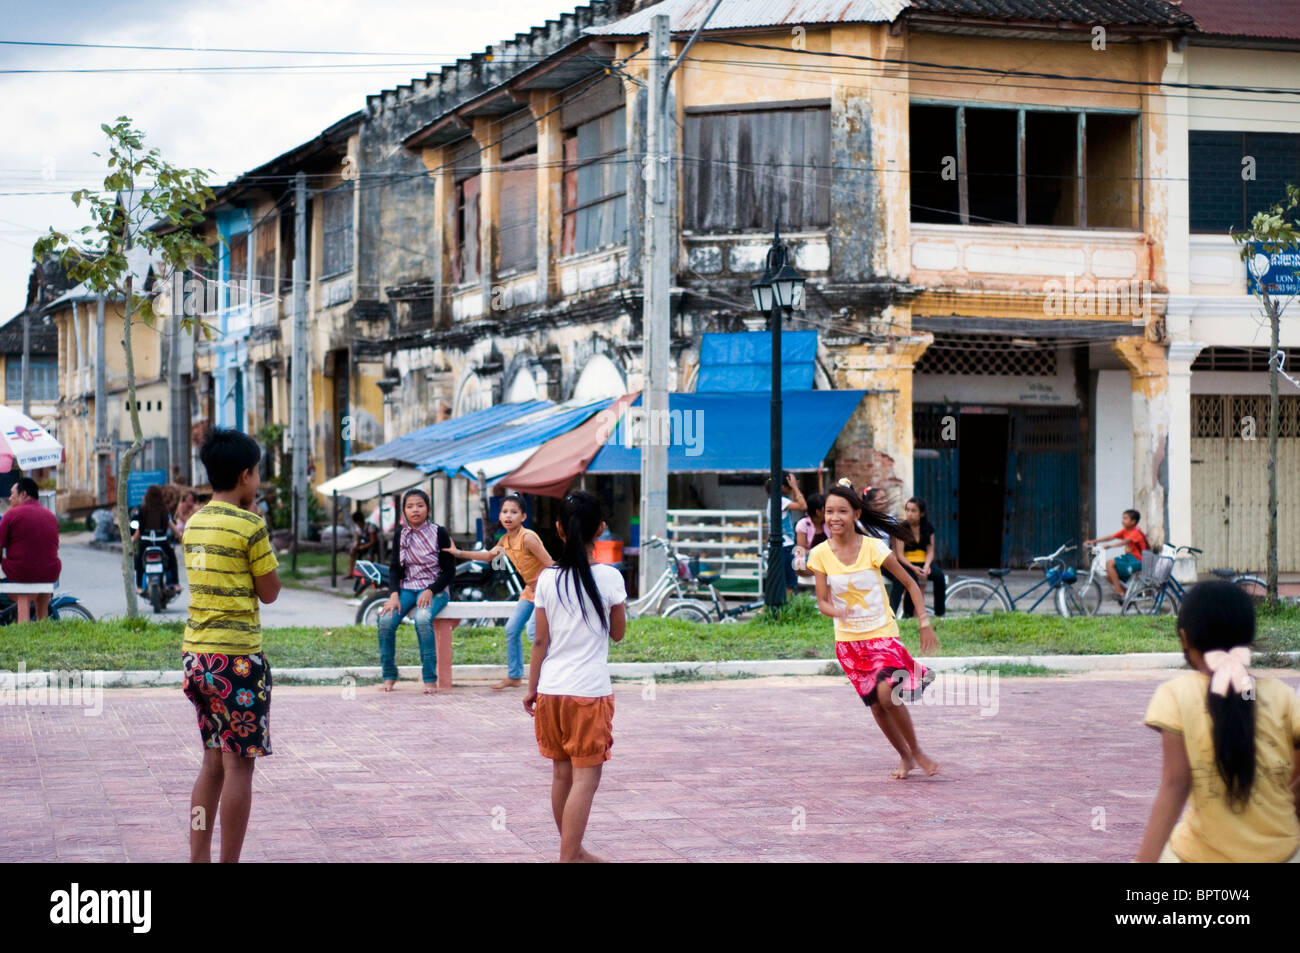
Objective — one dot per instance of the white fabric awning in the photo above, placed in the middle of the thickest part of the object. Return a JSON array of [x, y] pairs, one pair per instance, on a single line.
[[366, 483]]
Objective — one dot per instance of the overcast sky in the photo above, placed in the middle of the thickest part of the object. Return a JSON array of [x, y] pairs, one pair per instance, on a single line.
[[226, 120]]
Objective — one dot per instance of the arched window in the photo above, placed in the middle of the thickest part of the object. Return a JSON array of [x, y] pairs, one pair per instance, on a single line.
[[473, 395], [600, 378], [523, 388]]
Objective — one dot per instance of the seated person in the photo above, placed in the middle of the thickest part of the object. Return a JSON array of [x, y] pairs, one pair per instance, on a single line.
[[917, 554], [364, 544], [1130, 561]]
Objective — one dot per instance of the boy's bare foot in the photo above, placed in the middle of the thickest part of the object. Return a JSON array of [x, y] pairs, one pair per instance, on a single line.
[[928, 765], [386, 687], [440, 689], [507, 683], [905, 766], [431, 688], [587, 857]]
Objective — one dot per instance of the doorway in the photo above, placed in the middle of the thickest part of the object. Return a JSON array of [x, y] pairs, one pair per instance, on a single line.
[[982, 473]]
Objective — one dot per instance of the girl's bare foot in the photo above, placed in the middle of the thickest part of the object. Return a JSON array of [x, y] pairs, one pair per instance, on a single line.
[[928, 765], [904, 768], [506, 683], [430, 688], [386, 687]]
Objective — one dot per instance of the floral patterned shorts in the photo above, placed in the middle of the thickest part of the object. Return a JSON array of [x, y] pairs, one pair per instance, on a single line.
[[232, 694]]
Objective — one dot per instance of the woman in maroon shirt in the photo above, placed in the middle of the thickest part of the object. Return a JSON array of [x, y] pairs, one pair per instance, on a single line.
[[29, 541]]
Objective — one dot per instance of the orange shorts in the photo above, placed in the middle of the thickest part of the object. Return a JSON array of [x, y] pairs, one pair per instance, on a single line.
[[575, 729]]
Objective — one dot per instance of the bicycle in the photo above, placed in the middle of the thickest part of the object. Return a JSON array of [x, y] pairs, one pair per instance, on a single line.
[[1252, 585], [970, 596], [669, 583], [1153, 590], [1084, 595], [696, 610]]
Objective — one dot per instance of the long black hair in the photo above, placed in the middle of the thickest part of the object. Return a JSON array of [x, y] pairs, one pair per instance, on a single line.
[[1218, 615], [580, 517], [868, 517], [926, 529]]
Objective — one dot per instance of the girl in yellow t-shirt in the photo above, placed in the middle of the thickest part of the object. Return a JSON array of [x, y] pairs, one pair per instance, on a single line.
[[851, 591], [1229, 741]]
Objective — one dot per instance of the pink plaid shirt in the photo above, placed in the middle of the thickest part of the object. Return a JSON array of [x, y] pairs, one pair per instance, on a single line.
[[420, 556]]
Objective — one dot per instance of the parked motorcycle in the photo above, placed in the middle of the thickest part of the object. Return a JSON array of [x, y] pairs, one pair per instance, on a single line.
[[474, 582], [62, 607]]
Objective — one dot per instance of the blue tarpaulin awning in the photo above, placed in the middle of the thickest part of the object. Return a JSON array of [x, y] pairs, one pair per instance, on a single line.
[[742, 363], [730, 433], [502, 448], [425, 442]]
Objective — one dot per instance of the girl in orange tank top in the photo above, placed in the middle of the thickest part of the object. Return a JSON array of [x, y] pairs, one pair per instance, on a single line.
[[526, 553]]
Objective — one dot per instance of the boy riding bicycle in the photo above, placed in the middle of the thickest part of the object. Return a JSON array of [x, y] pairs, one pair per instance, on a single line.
[[1119, 569]]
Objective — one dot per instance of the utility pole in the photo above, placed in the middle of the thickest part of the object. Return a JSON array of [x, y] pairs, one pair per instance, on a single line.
[[657, 271], [27, 363], [176, 429], [102, 449], [301, 437], [654, 315]]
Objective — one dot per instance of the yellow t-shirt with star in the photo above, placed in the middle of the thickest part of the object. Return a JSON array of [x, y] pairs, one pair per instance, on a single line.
[[859, 587], [1267, 830]]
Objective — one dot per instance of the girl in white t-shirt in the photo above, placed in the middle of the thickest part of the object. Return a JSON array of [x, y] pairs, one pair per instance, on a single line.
[[580, 607]]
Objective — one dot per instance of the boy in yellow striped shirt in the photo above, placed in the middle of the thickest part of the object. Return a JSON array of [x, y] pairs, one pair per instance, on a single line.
[[230, 567]]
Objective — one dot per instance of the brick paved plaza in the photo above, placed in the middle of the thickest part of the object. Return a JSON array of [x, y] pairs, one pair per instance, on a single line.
[[703, 771]]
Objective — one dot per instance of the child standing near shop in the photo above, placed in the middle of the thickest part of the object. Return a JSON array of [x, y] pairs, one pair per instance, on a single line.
[[1230, 745], [580, 608], [851, 591], [526, 553], [230, 567]]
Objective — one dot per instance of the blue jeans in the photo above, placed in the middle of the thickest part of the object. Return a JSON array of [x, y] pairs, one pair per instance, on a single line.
[[423, 632], [523, 615]]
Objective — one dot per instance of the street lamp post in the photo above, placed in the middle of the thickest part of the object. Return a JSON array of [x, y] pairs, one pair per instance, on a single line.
[[780, 288]]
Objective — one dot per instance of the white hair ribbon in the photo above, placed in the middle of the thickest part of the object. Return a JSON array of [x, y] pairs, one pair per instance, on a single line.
[[1229, 668]]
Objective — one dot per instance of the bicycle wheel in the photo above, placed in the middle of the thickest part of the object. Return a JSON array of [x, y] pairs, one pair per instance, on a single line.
[[70, 611], [974, 597], [687, 610], [1152, 600], [1078, 599], [1253, 586]]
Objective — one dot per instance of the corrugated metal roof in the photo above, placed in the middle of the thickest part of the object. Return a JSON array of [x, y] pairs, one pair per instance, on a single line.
[[1106, 12], [686, 15], [1264, 19]]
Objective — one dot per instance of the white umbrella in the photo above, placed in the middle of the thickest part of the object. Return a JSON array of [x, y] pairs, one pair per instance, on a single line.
[[25, 442]]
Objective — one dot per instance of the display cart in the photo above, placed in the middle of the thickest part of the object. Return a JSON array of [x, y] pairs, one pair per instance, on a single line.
[[732, 542]]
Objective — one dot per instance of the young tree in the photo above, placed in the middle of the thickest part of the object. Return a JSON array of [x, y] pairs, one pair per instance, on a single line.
[[141, 190], [1272, 231]]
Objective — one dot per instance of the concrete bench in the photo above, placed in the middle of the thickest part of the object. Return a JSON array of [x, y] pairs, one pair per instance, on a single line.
[[444, 623], [26, 588]]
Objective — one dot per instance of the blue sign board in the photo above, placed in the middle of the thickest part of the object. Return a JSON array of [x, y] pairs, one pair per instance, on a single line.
[[1278, 271], [140, 480]]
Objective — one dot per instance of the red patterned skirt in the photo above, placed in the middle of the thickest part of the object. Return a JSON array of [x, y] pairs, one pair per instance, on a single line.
[[869, 662]]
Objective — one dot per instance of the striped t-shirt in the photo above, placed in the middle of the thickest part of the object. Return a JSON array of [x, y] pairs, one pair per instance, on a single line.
[[225, 547]]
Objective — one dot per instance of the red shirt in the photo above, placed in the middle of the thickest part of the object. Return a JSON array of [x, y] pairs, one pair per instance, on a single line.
[[1136, 540], [29, 539]]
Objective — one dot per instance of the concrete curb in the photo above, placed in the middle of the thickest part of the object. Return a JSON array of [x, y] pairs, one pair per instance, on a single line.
[[1057, 663]]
